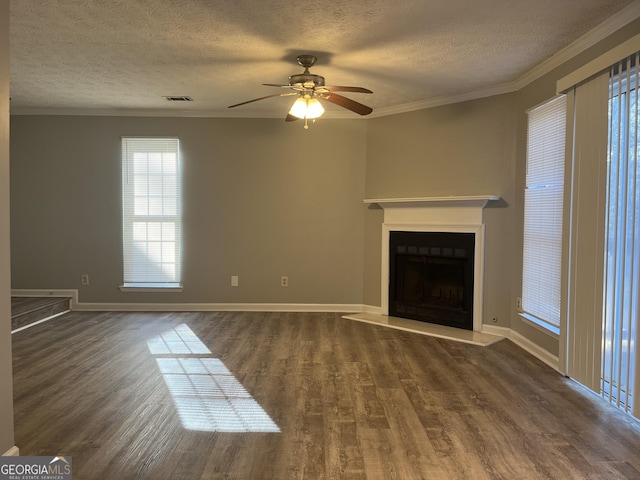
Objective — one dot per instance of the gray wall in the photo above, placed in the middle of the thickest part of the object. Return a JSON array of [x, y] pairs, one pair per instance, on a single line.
[[262, 199], [460, 149], [6, 381]]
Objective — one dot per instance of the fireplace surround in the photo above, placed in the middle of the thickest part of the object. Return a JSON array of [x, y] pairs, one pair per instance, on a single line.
[[459, 214]]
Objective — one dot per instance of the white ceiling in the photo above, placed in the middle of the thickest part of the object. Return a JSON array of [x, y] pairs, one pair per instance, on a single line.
[[122, 56]]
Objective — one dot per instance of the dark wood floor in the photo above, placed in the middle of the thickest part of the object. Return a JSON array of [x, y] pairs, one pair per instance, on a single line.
[[351, 401]]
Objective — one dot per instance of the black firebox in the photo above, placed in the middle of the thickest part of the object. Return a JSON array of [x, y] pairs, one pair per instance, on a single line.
[[431, 277]]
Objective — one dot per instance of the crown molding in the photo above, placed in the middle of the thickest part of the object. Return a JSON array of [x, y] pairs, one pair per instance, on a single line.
[[589, 39], [163, 112], [445, 100], [131, 112]]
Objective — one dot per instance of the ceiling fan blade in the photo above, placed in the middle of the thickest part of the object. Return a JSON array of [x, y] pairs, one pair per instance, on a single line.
[[347, 103], [290, 118], [262, 98], [276, 85], [334, 88]]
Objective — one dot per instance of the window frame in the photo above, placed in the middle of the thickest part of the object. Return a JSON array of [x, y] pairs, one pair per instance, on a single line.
[[167, 196]]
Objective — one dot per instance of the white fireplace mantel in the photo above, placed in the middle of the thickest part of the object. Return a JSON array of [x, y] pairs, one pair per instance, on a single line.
[[453, 209], [480, 200], [435, 214]]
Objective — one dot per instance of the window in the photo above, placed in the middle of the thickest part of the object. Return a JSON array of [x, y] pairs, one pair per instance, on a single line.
[[543, 205], [151, 212]]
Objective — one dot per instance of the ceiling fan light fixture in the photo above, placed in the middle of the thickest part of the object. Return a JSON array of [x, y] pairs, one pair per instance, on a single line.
[[308, 108], [314, 108], [308, 88]]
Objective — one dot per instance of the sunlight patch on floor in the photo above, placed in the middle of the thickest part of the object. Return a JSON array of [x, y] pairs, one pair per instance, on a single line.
[[206, 394], [179, 340]]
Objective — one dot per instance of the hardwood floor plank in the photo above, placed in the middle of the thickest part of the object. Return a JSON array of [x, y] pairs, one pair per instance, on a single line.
[[622, 470], [368, 408], [405, 425], [351, 400]]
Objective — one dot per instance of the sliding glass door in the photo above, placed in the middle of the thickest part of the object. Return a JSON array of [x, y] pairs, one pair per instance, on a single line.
[[622, 238], [603, 280]]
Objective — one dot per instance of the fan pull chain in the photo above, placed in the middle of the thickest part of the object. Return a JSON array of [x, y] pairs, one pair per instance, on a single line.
[[306, 122]]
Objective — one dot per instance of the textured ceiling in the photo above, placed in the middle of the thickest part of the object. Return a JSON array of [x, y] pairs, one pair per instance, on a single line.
[[124, 55]]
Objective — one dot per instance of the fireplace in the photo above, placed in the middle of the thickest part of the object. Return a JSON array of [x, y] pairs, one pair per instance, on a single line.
[[431, 277], [439, 215]]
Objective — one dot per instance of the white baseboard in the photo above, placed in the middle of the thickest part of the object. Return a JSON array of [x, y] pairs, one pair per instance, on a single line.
[[524, 343], [73, 294], [495, 330], [372, 309], [217, 307], [535, 350], [187, 307], [12, 452]]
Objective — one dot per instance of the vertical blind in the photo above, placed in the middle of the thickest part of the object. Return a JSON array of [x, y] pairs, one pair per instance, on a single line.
[[151, 211], [543, 205], [622, 241], [587, 130]]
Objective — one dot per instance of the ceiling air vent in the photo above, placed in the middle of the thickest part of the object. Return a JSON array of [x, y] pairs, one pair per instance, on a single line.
[[178, 99]]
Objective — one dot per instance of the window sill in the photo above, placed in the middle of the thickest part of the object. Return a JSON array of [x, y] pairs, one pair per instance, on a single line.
[[539, 324], [151, 287]]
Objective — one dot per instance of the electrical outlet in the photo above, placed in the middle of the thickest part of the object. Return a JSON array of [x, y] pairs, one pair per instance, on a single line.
[[234, 280], [284, 281], [518, 303], [84, 279]]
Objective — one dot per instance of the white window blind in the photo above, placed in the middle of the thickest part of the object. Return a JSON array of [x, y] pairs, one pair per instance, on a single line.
[[151, 212], [543, 205]]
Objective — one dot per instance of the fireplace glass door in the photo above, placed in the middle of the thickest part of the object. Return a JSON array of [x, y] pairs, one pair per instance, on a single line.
[[431, 277]]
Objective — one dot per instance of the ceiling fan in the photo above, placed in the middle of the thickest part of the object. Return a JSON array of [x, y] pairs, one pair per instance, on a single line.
[[310, 89]]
